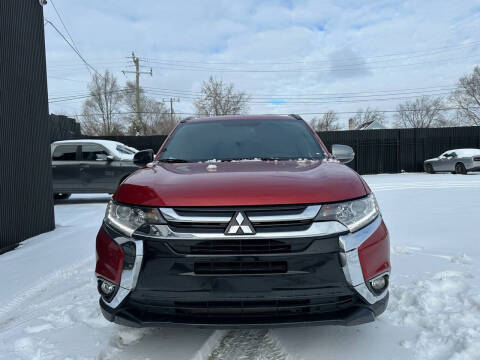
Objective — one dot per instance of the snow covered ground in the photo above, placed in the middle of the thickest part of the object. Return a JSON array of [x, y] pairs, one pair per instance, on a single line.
[[49, 304]]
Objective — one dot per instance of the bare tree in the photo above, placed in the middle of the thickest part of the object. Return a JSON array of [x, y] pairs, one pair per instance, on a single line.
[[466, 98], [155, 117], [328, 122], [101, 110], [218, 98], [367, 115], [423, 112]]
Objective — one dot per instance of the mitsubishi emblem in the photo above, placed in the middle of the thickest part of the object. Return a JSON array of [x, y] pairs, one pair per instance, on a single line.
[[239, 225]]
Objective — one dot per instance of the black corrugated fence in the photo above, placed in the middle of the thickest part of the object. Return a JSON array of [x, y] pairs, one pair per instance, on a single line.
[[396, 150], [26, 202], [377, 151]]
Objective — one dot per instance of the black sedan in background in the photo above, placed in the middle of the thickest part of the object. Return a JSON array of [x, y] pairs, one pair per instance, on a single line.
[[89, 166]]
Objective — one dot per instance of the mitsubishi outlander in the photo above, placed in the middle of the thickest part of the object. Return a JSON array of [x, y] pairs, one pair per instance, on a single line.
[[243, 221]]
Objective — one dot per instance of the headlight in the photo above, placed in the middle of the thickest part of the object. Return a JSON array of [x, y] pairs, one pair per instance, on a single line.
[[127, 219], [353, 214]]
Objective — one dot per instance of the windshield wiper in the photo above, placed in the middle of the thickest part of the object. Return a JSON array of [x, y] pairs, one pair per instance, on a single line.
[[173, 160]]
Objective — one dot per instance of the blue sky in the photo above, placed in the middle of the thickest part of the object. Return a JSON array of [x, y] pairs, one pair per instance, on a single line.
[[291, 56]]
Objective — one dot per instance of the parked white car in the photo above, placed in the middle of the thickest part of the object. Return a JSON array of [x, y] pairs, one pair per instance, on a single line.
[[458, 161]]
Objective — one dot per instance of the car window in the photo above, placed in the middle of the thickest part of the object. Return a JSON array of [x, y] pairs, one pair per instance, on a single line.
[[125, 150], [90, 151], [65, 153]]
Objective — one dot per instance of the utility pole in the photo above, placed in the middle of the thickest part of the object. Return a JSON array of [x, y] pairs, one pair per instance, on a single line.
[[137, 72], [172, 100]]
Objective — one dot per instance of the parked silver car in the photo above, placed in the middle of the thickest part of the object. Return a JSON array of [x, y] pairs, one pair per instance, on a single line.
[[90, 166], [457, 161]]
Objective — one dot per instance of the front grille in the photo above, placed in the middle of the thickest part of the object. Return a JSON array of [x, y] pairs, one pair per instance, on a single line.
[[273, 232], [240, 267], [219, 228], [239, 246], [267, 222], [263, 218], [276, 210]]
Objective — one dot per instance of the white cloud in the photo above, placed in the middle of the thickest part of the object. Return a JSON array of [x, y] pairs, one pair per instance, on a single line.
[[338, 46]]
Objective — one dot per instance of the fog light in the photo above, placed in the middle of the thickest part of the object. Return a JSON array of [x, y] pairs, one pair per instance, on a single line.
[[379, 283], [107, 288]]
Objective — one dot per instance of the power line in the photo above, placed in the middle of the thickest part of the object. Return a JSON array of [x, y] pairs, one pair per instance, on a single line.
[[318, 96], [270, 95], [67, 79], [179, 64], [288, 99], [371, 91], [411, 54], [64, 26], [337, 100], [274, 114], [81, 97], [73, 48], [360, 66]]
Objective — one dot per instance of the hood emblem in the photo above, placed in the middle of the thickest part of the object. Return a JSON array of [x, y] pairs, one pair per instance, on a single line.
[[239, 225]]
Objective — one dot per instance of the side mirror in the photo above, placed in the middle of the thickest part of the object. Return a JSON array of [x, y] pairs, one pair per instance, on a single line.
[[343, 153], [143, 157], [103, 157]]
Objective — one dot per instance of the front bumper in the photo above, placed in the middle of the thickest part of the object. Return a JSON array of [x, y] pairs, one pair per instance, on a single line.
[[324, 283], [354, 315]]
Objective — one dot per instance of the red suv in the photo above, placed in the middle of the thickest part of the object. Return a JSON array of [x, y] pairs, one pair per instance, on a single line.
[[243, 221]]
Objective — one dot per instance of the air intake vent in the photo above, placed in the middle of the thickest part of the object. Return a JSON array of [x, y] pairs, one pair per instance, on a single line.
[[240, 267]]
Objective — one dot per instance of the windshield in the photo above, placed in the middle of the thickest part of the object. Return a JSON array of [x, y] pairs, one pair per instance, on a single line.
[[242, 139]]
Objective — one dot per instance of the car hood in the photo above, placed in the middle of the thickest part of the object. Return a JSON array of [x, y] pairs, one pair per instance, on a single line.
[[241, 183], [432, 159]]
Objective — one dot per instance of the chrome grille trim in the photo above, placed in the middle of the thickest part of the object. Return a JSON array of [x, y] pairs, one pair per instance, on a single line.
[[171, 215], [308, 213], [316, 229]]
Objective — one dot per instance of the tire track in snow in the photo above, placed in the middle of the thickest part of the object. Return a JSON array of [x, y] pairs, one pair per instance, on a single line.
[[248, 345], [46, 282], [63, 274]]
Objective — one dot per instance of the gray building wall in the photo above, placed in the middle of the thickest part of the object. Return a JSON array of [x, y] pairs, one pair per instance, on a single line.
[[26, 203]]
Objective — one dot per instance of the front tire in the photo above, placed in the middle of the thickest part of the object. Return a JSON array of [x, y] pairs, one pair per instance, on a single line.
[[429, 169], [460, 169], [61, 196]]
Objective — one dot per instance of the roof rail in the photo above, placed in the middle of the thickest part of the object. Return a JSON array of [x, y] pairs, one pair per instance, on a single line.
[[295, 116]]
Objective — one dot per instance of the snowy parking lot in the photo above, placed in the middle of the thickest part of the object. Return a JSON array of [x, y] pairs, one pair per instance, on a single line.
[[49, 303]]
